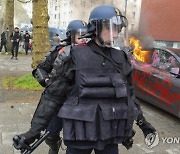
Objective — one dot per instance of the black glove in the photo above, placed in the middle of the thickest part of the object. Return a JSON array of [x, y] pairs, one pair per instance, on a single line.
[[23, 141], [145, 126], [30, 136], [129, 141]]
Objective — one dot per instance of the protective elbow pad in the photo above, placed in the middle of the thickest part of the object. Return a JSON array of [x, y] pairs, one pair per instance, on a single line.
[[40, 76]]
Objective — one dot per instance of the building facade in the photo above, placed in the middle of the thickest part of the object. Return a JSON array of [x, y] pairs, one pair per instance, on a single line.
[[160, 20], [63, 11], [22, 14], [133, 14], [54, 7]]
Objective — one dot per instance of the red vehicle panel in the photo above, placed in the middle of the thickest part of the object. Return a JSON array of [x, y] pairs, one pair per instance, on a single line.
[[157, 79]]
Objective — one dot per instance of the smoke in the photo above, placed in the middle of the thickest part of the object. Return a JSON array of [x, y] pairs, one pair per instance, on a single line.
[[147, 42]]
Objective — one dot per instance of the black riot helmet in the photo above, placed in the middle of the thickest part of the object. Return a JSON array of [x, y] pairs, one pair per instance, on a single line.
[[109, 18], [76, 28]]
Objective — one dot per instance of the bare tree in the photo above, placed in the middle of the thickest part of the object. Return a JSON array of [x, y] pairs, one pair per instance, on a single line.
[[41, 43], [9, 18]]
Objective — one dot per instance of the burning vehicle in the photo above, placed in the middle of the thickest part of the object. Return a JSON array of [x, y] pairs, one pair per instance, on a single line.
[[156, 76]]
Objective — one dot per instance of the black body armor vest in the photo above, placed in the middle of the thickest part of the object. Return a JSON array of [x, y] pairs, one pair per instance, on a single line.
[[99, 107]]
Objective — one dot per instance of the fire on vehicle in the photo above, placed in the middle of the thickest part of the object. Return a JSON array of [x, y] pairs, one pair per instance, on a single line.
[[156, 76]]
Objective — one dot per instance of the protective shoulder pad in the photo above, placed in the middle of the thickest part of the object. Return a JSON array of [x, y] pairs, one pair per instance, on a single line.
[[58, 47], [49, 52], [55, 48], [66, 53], [61, 58]]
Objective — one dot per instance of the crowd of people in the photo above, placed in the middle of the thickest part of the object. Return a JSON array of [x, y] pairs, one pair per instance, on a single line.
[[21, 40], [17, 38], [88, 90]]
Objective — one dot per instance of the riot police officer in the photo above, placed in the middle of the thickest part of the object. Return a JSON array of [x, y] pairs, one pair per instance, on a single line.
[[43, 71], [96, 79], [46, 68]]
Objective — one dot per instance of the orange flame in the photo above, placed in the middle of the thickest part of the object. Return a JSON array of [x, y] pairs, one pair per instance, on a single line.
[[139, 54]]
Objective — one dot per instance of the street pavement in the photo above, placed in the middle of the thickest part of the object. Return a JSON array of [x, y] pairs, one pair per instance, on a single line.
[[8, 65], [15, 119]]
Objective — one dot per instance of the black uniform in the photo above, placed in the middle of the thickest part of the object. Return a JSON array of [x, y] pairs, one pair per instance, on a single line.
[[100, 107], [3, 41], [15, 37], [42, 73], [27, 38], [44, 69]]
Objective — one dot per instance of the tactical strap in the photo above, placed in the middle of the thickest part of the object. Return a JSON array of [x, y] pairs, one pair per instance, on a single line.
[[97, 50]]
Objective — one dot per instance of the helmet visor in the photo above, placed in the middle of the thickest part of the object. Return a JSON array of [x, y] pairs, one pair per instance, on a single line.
[[76, 36], [108, 31]]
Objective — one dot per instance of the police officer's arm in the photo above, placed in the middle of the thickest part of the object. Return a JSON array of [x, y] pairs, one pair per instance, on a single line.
[[41, 73], [141, 121], [54, 96]]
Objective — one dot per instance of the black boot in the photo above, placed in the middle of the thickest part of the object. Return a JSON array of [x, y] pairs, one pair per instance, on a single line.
[[54, 149], [54, 144]]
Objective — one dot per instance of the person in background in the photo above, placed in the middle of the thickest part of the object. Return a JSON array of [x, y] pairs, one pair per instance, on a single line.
[[15, 39], [56, 40], [27, 38], [4, 41]]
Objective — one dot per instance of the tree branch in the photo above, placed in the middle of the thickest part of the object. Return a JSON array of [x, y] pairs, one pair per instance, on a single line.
[[21, 1]]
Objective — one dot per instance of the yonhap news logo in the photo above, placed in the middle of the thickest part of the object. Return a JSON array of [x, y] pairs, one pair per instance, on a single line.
[[171, 140], [153, 140]]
